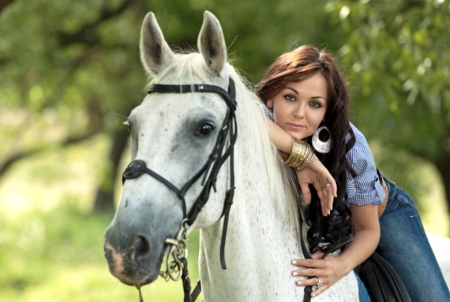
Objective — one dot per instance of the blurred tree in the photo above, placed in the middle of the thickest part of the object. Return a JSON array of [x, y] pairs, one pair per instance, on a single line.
[[70, 73], [59, 76], [73, 72], [399, 55], [4, 4]]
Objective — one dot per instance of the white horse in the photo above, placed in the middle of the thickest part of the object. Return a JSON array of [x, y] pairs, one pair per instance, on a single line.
[[173, 135]]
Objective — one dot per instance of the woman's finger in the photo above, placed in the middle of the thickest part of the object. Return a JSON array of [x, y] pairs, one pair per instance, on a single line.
[[323, 197], [319, 290], [305, 272], [317, 255], [333, 186], [307, 282], [330, 196], [312, 282], [307, 265], [331, 189], [326, 199], [305, 192]]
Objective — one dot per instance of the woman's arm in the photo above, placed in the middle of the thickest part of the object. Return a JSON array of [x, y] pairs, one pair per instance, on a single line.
[[315, 174], [333, 268], [279, 137]]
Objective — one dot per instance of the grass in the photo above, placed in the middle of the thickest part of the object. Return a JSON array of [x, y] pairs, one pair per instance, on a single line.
[[58, 256]]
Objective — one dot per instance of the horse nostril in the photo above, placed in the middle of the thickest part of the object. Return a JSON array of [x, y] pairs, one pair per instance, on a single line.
[[141, 247]]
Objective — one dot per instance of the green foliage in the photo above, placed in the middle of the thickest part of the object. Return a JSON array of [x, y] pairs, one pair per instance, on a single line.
[[399, 57], [58, 256]]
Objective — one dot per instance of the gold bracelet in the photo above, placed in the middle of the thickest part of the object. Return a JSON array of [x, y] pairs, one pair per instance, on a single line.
[[301, 155], [308, 160]]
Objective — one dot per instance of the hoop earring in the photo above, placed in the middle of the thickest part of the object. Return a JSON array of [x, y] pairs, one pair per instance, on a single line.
[[319, 145]]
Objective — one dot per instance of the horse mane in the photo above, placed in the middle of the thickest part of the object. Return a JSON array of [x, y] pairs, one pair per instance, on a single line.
[[282, 183], [186, 68]]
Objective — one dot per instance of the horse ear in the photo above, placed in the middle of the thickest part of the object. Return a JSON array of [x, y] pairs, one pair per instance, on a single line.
[[212, 43], [154, 49]]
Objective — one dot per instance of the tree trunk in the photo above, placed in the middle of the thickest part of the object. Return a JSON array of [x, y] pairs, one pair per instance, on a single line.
[[104, 199], [4, 4]]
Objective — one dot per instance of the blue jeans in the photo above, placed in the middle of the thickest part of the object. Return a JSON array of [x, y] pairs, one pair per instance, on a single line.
[[405, 246], [363, 294]]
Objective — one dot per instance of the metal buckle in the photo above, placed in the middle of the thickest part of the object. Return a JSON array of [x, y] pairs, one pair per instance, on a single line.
[[178, 250]]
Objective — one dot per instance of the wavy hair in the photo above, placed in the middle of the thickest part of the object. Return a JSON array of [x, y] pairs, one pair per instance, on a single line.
[[296, 66]]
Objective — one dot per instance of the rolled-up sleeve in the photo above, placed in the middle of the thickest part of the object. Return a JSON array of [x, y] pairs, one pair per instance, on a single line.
[[365, 187]]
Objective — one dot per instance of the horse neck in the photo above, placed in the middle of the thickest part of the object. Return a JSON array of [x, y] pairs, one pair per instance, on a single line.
[[266, 190], [261, 236]]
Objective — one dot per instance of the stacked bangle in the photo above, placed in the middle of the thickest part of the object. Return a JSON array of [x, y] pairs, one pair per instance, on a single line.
[[301, 155]]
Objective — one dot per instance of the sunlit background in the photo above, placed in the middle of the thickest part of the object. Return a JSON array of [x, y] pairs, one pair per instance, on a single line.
[[70, 74]]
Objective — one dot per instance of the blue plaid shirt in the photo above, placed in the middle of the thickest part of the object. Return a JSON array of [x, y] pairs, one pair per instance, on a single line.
[[365, 188]]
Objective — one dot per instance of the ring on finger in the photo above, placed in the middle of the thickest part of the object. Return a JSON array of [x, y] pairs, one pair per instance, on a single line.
[[327, 185], [319, 282]]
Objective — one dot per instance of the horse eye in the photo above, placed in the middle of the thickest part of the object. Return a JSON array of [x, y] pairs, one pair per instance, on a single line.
[[205, 129]]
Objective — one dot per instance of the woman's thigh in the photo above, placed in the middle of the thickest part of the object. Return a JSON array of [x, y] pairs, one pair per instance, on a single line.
[[405, 246]]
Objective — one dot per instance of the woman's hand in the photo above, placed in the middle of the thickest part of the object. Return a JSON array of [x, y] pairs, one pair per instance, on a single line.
[[319, 176], [315, 174], [329, 270], [333, 268]]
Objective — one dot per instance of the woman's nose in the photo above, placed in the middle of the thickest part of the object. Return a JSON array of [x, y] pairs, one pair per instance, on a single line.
[[299, 111]]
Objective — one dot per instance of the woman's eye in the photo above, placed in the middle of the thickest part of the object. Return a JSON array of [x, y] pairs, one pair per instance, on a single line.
[[315, 104], [289, 98], [205, 129]]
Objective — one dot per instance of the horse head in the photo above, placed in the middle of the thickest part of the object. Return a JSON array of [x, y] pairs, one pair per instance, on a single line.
[[176, 140]]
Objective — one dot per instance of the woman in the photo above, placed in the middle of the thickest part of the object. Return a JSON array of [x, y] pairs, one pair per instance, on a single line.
[[308, 99]]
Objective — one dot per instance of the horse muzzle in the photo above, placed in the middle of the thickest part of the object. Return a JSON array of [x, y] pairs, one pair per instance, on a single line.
[[129, 259]]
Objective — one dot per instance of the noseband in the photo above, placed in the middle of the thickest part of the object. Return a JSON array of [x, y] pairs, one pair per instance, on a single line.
[[209, 170]]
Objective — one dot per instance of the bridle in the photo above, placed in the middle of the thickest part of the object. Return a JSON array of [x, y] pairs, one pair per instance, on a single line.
[[210, 170]]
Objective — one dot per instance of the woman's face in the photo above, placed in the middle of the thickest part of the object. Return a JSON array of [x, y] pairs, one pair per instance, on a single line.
[[300, 107]]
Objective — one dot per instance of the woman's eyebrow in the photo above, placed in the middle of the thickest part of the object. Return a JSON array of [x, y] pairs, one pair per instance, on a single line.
[[292, 89], [318, 97], [313, 97]]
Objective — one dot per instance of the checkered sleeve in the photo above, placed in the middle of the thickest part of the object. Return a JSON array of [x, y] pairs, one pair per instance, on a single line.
[[365, 187]]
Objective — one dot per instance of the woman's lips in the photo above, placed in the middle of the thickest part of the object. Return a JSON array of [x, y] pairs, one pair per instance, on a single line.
[[295, 126]]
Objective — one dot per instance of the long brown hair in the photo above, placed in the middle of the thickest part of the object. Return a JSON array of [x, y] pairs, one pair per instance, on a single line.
[[296, 66]]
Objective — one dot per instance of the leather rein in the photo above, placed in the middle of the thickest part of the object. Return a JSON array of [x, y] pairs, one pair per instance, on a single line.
[[178, 249]]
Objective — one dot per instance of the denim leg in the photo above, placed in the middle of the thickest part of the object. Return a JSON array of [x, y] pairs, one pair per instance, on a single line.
[[405, 246], [363, 293]]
